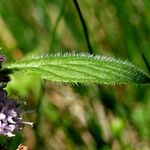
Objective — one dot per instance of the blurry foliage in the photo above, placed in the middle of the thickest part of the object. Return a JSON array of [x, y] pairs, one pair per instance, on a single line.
[[79, 117]]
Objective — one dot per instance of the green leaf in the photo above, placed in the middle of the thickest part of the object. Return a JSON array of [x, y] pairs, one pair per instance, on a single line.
[[81, 68]]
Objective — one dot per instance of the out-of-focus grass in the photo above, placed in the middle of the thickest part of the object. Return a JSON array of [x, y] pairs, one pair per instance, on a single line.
[[79, 117]]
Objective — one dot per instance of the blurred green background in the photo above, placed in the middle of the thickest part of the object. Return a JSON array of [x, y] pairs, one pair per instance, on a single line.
[[77, 117]]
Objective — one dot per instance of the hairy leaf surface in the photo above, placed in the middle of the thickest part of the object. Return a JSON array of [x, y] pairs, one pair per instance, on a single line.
[[79, 68]]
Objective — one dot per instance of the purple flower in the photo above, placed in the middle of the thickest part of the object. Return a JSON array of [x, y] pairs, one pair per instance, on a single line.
[[10, 111], [2, 58], [10, 115]]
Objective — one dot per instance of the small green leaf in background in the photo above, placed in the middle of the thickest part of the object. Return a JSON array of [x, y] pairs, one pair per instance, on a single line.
[[81, 68]]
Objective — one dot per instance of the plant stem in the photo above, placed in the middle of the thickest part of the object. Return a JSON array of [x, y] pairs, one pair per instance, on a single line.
[[38, 117], [84, 26], [146, 62]]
